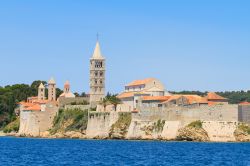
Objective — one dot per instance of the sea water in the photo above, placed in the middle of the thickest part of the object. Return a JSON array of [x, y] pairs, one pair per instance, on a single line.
[[29, 152]]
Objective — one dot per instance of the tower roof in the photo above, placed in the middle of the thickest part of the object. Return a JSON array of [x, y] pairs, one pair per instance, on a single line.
[[66, 84], [97, 52], [41, 86], [52, 81]]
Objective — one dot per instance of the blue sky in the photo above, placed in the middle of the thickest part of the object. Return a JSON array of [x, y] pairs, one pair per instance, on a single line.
[[188, 45]]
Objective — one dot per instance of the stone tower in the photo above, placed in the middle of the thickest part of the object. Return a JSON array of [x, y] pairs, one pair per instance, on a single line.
[[41, 92], [52, 90], [66, 87], [97, 76]]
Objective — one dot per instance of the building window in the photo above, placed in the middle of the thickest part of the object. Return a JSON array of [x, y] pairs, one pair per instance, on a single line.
[[95, 81], [101, 74], [100, 81], [98, 64], [96, 73]]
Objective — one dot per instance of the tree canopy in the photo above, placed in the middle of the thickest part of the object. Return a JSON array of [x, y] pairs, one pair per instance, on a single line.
[[10, 95]]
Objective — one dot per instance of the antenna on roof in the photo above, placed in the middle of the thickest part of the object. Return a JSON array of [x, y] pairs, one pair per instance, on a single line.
[[97, 36]]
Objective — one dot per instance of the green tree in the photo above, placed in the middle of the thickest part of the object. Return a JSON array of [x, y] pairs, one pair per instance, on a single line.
[[104, 102]]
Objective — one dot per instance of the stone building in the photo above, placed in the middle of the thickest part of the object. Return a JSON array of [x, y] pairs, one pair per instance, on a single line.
[[97, 76], [244, 112], [141, 89], [37, 113], [215, 98], [66, 91], [52, 90], [41, 92]]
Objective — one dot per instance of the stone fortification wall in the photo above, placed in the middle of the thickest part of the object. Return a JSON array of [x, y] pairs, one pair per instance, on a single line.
[[220, 131], [227, 112], [99, 124], [33, 123], [67, 101], [119, 108], [244, 113], [219, 121], [81, 107]]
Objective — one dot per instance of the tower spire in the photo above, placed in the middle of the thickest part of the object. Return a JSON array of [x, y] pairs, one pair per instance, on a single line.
[[97, 52]]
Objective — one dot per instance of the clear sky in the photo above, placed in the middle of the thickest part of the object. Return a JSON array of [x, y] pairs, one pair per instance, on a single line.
[[188, 45]]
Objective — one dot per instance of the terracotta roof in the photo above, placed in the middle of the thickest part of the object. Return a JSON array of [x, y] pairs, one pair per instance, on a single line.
[[126, 94], [245, 103], [25, 104], [214, 96], [155, 98], [191, 98], [34, 107], [195, 99], [40, 101], [140, 82], [33, 97]]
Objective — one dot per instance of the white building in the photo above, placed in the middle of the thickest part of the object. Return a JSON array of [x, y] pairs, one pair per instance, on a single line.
[[137, 90]]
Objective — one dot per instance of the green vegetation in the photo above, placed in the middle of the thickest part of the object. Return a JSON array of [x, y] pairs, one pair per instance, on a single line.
[[110, 100], [158, 126], [80, 103], [70, 120], [234, 97], [12, 127], [196, 124], [245, 128], [122, 123], [10, 96]]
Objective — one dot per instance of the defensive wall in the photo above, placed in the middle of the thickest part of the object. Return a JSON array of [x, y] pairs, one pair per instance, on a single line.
[[33, 123], [68, 101]]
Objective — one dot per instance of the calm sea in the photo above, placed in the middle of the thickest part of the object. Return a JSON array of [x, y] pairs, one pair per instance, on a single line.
[[26, 151]]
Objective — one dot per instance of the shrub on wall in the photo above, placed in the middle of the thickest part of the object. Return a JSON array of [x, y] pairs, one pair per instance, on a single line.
[[158, 126], [121, 126], [12, 127], [196, 124], [245, 128], [70, 120]]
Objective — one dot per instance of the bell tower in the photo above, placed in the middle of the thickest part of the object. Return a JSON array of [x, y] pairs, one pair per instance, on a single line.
[[52, 90], [97, 76], [41, 92]]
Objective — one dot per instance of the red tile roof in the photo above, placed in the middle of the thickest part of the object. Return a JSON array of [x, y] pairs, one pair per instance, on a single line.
[[34, 107], [214, 96], [191, 98], [245, 103], [155, 98], [140, 82]]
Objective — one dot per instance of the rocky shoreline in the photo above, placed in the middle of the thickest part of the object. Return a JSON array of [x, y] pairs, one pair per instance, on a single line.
[[187, 133]]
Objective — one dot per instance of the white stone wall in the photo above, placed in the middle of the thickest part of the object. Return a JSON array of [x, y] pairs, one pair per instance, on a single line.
[[220, 131], [170, 130], [99, 124], [33, 123]]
